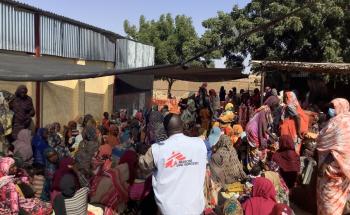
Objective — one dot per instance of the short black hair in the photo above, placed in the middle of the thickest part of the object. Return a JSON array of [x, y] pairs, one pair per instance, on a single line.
[[167, 119]]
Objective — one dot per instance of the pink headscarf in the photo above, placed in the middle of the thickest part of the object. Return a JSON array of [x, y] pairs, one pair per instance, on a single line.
[[334, 138], [263, 199], [5, 164]]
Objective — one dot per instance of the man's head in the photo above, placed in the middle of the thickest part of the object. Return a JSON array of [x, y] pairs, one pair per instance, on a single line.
[[173, 124], [21, 92]]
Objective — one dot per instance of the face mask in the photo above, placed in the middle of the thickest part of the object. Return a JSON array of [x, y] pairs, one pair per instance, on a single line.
[[331, 112]]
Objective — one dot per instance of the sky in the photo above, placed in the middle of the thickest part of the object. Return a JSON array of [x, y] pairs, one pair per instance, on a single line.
[[110, 14]]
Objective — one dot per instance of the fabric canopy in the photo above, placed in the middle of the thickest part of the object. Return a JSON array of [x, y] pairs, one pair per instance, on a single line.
[[29, 68]]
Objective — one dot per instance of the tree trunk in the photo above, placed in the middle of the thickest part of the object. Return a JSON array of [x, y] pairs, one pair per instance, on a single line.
[[170, 85]]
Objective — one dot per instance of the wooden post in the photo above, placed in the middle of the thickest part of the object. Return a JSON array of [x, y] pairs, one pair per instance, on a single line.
[[262, 87], [38, 83]]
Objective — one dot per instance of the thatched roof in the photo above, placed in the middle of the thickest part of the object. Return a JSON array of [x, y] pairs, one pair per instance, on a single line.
[[286, 66]]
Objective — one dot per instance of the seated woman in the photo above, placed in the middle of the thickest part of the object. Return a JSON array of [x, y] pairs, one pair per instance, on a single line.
[[65, 168], [11, 201], [224, 163], [109, 187], [70, 200], [39, 144], [263, 198], [50, 168]]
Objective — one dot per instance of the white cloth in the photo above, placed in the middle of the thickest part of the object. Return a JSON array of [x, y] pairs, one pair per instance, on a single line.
[[178, 181]]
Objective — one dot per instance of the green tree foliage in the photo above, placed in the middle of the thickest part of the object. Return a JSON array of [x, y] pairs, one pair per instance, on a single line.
[[320, 32], [175, 40]]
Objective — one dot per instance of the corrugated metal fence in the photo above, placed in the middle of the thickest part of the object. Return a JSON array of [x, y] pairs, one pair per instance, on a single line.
[[16, 29], [62, 39], [131, 54]]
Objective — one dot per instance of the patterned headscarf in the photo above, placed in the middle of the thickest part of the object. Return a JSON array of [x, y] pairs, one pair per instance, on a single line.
[[5, 164], [89, 133], [232, 207], [341, 106]]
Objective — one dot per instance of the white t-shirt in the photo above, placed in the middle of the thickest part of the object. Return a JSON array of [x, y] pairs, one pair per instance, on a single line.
[[178, 181]]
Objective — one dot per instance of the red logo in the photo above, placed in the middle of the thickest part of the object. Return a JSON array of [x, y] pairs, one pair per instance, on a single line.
[[174, 159]]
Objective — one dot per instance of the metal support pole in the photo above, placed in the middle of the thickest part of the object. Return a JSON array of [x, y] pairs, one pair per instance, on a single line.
[[262, 87]]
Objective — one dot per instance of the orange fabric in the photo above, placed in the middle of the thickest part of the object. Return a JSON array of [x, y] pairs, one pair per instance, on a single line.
[[205, 118], [172, 104], [288, 125]]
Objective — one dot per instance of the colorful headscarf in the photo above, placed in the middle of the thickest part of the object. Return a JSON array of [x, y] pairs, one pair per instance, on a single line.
[[89, 133], [5, 164], [232, 207], [229, 107]]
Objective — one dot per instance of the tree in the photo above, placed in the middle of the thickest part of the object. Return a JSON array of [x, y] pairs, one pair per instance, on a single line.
[[174, 40], [320, 32]]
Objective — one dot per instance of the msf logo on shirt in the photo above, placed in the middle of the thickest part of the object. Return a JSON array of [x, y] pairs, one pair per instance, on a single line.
[[177, 159]]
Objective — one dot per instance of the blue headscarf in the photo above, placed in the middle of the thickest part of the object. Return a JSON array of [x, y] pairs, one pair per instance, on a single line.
[[39, 145]]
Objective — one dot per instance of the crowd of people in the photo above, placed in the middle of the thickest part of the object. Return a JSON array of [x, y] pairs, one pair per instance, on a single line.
[[226, 153]]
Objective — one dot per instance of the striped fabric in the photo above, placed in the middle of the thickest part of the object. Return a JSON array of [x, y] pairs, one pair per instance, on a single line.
[[78, 204], [38, 184]]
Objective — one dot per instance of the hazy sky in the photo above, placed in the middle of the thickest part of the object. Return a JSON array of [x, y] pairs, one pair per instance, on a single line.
[[110, 14]]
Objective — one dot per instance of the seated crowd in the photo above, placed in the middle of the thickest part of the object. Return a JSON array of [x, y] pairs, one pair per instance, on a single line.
[[220, 155]]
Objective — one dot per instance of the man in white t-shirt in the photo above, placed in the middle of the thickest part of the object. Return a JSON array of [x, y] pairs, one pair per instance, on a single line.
[[179, 165]]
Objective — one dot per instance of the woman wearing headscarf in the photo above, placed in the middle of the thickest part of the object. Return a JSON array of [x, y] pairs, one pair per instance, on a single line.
[[23, 109], [294, 120], [222, 94], [109, 187], [155, 128], [11, 202], [86, 151], [39, 144], [70, 132], [333, 147], [65, 168], [287, 160], [282, 191], [214, 102], [234, 132], [51, 163], [257, 131], [263, 198], [23, 147], [227, 117], [113, 136], [68, 187], [232, 207], [224, 163], [189, 117]]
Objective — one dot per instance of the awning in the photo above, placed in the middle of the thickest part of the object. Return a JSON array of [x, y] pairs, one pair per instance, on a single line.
[[287, 66], [29, 68]]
